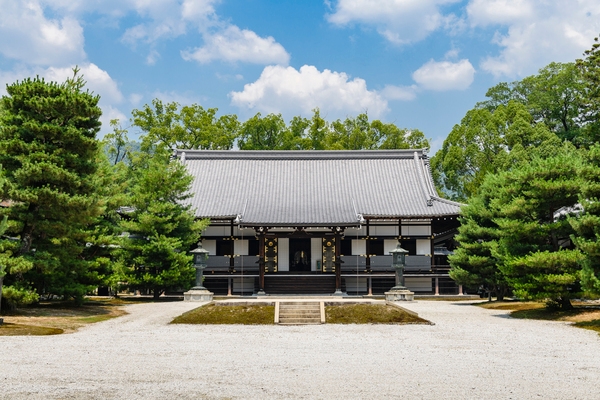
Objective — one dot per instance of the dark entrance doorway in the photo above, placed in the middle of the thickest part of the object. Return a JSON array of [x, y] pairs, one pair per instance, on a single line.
[[299, 255]]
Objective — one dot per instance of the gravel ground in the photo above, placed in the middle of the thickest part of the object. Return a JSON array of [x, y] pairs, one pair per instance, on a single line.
[[470, 353]]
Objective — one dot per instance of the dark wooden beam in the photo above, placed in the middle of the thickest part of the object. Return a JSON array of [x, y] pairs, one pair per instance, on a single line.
[[261, 260]]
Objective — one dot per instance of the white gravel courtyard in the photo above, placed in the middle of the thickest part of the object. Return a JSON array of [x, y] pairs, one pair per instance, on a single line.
[[470, 353]]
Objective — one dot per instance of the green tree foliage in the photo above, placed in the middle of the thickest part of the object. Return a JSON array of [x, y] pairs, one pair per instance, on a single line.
[[48, 151], [271, 133], [589, 68], [475, 262], [554, 96], [161, 229], [517, 214], [167, 126], [262, 133], [117, 144], [488, 142], [587, 224]]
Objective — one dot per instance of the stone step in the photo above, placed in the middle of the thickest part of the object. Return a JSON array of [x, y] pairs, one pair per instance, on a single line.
[[299, 313], [301, 322], [299, 308]]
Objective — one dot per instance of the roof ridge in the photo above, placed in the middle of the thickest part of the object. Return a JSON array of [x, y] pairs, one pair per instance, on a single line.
[[298, 154]]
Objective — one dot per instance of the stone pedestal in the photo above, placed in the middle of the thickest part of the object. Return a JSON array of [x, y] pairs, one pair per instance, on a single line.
[[198, 295], [399, 295]]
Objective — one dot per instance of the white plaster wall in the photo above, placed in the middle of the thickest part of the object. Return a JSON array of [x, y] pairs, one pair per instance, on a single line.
[[211, 246], [240, 247], [375, 230], [389, 245], [423, 247], [359, 247], [283, 254], [410, 230], [316, 252], [217, 231]]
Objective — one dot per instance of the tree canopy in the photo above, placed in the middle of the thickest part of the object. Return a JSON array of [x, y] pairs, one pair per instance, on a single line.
[[488, 142], [514, 232], [48, 152]]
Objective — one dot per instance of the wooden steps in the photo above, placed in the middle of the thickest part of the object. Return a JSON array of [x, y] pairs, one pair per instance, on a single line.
[[300, 284], [299, 312]]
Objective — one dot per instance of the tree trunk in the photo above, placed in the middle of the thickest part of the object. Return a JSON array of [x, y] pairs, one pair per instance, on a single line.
[[1, 283], [565, 304], [156, 293]]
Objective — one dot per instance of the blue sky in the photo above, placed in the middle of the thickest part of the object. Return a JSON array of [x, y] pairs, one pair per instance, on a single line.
[[417, 63]]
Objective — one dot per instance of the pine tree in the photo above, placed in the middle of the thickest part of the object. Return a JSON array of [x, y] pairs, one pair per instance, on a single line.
[[48, 151], [161, 228], [533, 249], [587, 224], [474, 263]]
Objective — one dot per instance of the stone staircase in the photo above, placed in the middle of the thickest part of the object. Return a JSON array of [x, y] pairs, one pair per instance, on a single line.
[[299, 312]]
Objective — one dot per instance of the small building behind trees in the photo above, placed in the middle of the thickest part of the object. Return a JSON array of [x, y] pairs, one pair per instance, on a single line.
[[319, 222]]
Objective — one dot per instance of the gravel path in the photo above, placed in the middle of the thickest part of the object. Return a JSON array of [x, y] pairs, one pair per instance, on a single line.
[[470, 353]]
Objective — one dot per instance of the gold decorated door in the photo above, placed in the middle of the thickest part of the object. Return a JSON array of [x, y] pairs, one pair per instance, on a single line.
[[328, 264], [271, 255]]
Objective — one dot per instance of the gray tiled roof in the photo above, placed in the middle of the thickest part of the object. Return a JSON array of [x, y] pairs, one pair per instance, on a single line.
[[312, 188]]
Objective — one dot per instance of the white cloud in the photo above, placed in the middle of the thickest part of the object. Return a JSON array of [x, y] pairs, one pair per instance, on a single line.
[[399, 21], [234, 44], [135, 99], [285, 89], [109, 113], [167, 18], [184, 99], [445, 75], [488, 12], [403, 93], [98, 81], [31, 37], [535, 32]]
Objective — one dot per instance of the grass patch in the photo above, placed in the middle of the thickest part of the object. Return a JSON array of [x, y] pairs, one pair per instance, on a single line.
[[582, 315], [243, 315], [593, 325], [370, 314], [8, 329], [512, 305], [54, 317]]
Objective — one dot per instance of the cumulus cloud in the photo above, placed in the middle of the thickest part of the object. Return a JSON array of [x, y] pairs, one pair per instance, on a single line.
[[234, 44], [98, 81], [445, 75], [532, 33], [403, 93], [399, 21], [30, 36], [285, 89], [489, 12], [167, 18]]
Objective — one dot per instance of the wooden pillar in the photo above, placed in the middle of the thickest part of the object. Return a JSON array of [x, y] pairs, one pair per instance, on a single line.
[[437, 286], [368, 250], [261, 262], [370, 283], [229, 279], [231, 256], [338, 260]]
